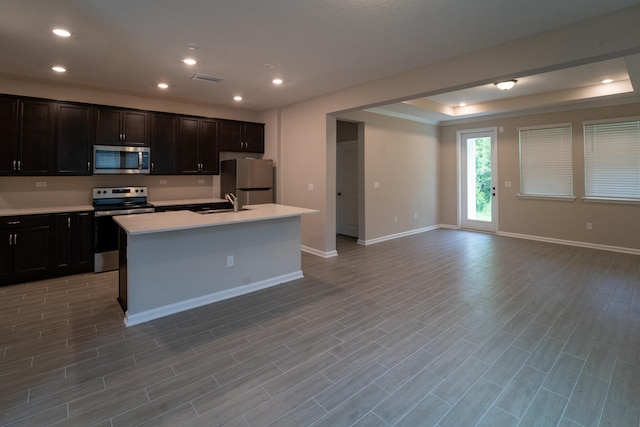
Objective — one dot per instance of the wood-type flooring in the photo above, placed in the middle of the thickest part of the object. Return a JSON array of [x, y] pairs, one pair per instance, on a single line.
[[443, 328]]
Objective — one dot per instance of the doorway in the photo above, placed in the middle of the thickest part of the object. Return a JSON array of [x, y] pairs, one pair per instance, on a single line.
[[347, 188], [349, 207], [478, 177]]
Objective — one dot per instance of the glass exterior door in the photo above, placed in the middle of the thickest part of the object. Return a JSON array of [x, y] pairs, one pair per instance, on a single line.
[[478, 195]]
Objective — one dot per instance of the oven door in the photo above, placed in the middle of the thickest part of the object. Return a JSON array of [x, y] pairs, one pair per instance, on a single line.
[[106, 241], [105, 257]]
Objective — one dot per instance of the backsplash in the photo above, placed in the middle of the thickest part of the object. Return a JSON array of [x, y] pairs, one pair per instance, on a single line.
[[45, 191]]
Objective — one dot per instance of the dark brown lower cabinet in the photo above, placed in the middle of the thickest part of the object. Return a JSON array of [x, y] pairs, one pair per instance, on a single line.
[[34, 247], [26, 248], [73, 243]]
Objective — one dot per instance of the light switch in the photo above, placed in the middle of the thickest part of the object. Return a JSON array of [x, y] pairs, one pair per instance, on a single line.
[[376, 184], [310, 187], [507, 184]]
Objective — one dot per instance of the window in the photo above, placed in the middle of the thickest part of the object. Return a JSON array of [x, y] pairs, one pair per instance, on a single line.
[[612, 159], [545, 161]]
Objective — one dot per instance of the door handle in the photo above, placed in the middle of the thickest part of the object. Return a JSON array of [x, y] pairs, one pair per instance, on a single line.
[[69, 222]]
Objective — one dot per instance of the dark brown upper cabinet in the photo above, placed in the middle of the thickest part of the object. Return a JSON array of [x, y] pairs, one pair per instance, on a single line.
[[198, 146], [121, 127], [241, 136], [27, 136], [74, 139], [163, 137]]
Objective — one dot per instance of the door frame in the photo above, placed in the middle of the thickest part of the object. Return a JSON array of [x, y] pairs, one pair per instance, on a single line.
[[460, 164]]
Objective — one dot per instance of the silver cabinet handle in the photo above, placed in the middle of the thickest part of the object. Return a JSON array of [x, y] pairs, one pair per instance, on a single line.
[[153, 166], [88, 166], [14, 165], [13, 222], [19, 165], [68, 222], [15, 239]]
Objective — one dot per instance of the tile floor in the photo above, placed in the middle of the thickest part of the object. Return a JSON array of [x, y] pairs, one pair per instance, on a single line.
[[444, 328]]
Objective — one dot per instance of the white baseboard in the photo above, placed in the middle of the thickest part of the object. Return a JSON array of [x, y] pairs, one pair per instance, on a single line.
[[449, 226], [571, 243], [156, 313], [397, 235], [319, 253]]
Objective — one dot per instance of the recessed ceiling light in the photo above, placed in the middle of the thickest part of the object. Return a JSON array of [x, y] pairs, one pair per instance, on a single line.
[[59, 69], [605, 81], [163, 85], [61, 32], [237, 98], [462, 104], [192, 46], [189, 61], [277, 81]]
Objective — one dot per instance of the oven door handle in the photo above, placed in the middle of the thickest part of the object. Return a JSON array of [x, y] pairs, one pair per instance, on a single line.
[[123, 212]]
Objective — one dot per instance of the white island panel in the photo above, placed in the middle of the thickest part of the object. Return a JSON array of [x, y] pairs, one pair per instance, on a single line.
[[185, 265]]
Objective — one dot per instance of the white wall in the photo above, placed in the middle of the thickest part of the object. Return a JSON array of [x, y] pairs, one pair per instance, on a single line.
[[307, 137], [402, 156]]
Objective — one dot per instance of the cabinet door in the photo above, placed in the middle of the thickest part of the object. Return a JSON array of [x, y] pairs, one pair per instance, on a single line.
[[74, 139], [163, 144], [108, 130], [8, 134], [231, 136], [63, 225], [254, 137], [6, 256], [32, 253], [134, 128], [188, 145], [36, 137], [84, 242], [208, 147]]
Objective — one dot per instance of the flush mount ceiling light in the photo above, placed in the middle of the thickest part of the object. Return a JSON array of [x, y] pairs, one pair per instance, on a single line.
[[163, 85], [61, 32], [276, 81], [189, 61], [506, 85], [59, 69], [237, 98]]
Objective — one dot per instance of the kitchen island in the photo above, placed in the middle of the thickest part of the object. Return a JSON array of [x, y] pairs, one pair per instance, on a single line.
[[175, 261]]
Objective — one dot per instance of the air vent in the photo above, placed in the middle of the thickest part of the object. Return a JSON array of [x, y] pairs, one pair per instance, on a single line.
[[205, 78]]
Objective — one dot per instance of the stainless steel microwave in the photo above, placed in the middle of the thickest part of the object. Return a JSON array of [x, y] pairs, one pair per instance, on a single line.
[[120, 159]]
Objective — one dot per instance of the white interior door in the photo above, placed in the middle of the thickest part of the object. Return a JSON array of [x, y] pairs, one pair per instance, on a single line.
[[478, 166], [347, 188]]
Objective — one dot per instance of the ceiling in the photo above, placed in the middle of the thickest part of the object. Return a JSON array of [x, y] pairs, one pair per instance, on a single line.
[[316, 47]]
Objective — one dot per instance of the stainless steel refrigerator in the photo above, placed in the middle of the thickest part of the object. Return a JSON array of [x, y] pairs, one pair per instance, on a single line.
[[250, 180]]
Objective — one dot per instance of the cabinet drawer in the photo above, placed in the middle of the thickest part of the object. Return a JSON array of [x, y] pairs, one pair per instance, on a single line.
[[24, 221]]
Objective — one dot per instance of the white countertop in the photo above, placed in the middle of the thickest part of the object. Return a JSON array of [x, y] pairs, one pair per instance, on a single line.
[[80, 208], [45, 210], [185, 202], [181, 220]]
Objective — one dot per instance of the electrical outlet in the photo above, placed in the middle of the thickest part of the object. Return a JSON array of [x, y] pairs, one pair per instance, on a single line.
[[163, 181], [415, 215], [395, 219], [201, 181], [589, 226], [310, 187], [230, 261], [41, 184]]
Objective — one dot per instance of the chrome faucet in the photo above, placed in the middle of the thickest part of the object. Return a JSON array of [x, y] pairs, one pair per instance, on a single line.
[[233, 200]]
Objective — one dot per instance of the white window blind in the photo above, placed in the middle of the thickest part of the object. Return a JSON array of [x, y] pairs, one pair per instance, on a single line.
[[545, 161], [612, 160]]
